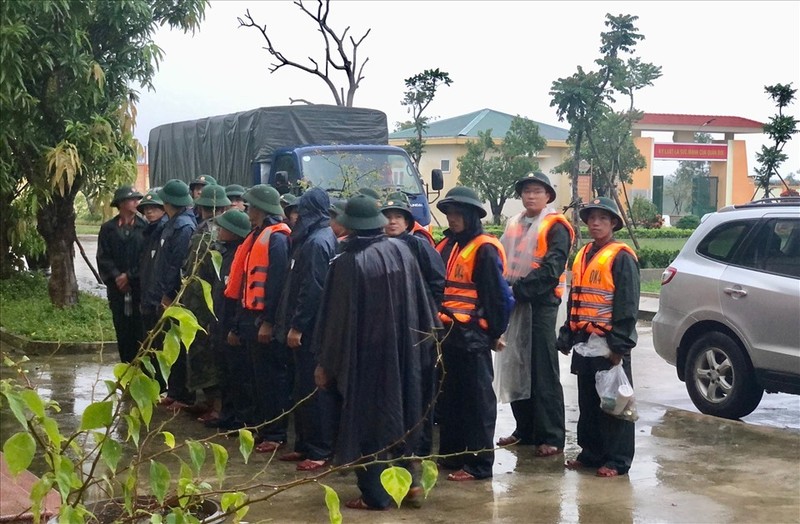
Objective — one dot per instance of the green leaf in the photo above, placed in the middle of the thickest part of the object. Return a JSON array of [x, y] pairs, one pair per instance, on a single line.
[[64, 475], [18, 451], [122, 373], [220, 460], [232, 500], [164, 364], [111, 452], [145, 391], [155, 518], [188, 323], [97, 415], [246, 443], [172, 344], [51, 430], [216, 260], [134, 426], [169, 439], [159, 480], [197, 452], [207, 295], [396, 481], [33, 401], [39, 490], [332, 501], [17, 406], [430, 474]]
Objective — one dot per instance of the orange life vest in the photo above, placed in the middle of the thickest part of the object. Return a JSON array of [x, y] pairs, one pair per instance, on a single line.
[[515, 266], [460, 292], [248, 275], [593, 288], [423, 232]]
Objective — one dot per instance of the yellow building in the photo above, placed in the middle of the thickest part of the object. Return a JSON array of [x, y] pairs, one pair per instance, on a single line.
[[446, 141]]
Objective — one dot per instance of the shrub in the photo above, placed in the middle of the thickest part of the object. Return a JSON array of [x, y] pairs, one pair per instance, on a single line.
[[688, 222], [645, 213], [656, 258]]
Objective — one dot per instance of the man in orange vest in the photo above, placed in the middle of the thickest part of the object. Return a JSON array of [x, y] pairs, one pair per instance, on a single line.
[[537, 244], [603, 300], [475, 311], [257, 276]]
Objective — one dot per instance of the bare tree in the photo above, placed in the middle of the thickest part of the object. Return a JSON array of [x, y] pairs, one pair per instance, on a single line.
[[338, 58]]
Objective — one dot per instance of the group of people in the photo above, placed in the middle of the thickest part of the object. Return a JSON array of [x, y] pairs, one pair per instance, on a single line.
[[347, 317]]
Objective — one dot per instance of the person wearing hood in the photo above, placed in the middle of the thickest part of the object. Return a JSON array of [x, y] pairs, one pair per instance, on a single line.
[[196, 188], [119, 246], [258, 274], [174, 242], [373, 339], [537, 243], [475, 312], [289, 205], [336, 210], [313, 247]]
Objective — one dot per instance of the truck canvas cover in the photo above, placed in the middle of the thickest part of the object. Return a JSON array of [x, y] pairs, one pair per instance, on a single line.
[[226, 146]]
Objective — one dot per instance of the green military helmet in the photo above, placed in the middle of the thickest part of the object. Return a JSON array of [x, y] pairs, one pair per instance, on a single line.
[[234, 190], [604, 203], [538, 178], [337, 207], [265, 198], [176, 193], [462, 195], [399, 202], [234, 221], [213, 196], [368, 191], [151, 198], [203, 180], [125, 193], [288, 200], [362, 213]]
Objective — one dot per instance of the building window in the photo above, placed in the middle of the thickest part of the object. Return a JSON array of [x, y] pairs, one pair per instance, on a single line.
[[445, 166]]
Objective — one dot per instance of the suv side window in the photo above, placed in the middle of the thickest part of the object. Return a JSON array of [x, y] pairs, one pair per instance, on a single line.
[[776, 248], [721, 242]]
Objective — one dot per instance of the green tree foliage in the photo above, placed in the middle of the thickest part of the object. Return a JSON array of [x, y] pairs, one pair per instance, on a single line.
[[780, 129], [644, 213], [67, 104], [585, 101], [679, 186], [420, 92], [492, 167]]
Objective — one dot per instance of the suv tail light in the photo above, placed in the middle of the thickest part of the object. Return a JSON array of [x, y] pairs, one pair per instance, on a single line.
[[667, 275]]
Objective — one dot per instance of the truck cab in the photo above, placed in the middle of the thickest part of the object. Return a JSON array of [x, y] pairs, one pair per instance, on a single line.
[[342, 169]]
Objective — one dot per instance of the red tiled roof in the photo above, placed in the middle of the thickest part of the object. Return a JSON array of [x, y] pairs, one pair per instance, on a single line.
[[666, 119]]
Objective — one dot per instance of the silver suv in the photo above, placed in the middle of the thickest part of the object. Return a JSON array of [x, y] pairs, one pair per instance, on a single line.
[[729, 311]]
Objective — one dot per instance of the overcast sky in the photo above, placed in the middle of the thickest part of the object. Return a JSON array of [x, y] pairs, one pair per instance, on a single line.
[[716, 58]]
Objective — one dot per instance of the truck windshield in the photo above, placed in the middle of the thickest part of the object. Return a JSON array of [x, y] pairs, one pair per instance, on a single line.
[[347, 170]]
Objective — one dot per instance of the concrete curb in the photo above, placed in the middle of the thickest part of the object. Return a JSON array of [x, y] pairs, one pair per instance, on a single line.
[[39, 347]]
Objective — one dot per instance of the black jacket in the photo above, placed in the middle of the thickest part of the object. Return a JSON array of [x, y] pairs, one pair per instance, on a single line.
[[171, 255], [430, 264], [147, 276], [118, 251]]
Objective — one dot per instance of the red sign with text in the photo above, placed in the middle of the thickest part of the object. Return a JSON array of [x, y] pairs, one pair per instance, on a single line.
[[709, 152]]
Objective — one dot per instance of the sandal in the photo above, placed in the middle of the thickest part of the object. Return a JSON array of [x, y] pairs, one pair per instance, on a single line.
[[360, 504], [461, 476], [311, 465], [573, 464], [268, 446], [607, 472], [546, 450], [414, 497], [508, 441], [294, 456]]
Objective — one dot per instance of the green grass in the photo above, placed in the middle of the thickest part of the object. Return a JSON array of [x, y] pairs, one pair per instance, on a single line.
[[87, 229], [651, 286], [665, 244], [25, 310]]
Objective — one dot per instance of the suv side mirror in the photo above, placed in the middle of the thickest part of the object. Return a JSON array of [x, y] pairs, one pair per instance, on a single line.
[[282, 181], [437, 181]]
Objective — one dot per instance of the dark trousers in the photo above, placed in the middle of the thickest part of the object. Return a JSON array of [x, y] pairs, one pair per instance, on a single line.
[[468, 410], [270, 368], [176, 382], [236, 386], [149, 321], [540, 418], [314, 424], [605, 440], [128, 328]]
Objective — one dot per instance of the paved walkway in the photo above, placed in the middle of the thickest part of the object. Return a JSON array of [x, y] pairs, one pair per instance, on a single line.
[[14, 496]]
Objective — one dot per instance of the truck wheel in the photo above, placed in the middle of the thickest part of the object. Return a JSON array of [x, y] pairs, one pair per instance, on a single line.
[[720, 379]]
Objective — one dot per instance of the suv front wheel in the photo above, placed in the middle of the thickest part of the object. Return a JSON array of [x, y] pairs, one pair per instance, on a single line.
[[720, 379]]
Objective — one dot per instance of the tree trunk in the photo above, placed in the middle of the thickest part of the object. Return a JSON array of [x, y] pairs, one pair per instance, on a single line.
[[56, 224], [8, 259]]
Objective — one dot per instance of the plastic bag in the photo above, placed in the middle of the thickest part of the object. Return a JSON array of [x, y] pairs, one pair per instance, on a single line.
[[596, 346], [616, 393], [512, 365]]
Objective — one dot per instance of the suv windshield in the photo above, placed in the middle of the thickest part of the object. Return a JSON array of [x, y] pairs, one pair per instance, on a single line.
[[346, 171]]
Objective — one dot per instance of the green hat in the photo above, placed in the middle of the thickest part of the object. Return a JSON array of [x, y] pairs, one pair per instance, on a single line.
[[464, 196], [213, 196], [234, 190], [368, 191], [125, 193], [234, 221], [203, 180], [362, 213], [539, 178], [288, 200], [265, 198], [150, 199], [399, 202], [175, 192], [604, 203], [337, 207]]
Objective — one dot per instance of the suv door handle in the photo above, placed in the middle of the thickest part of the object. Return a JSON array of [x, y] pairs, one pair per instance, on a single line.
[[735, 292]]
